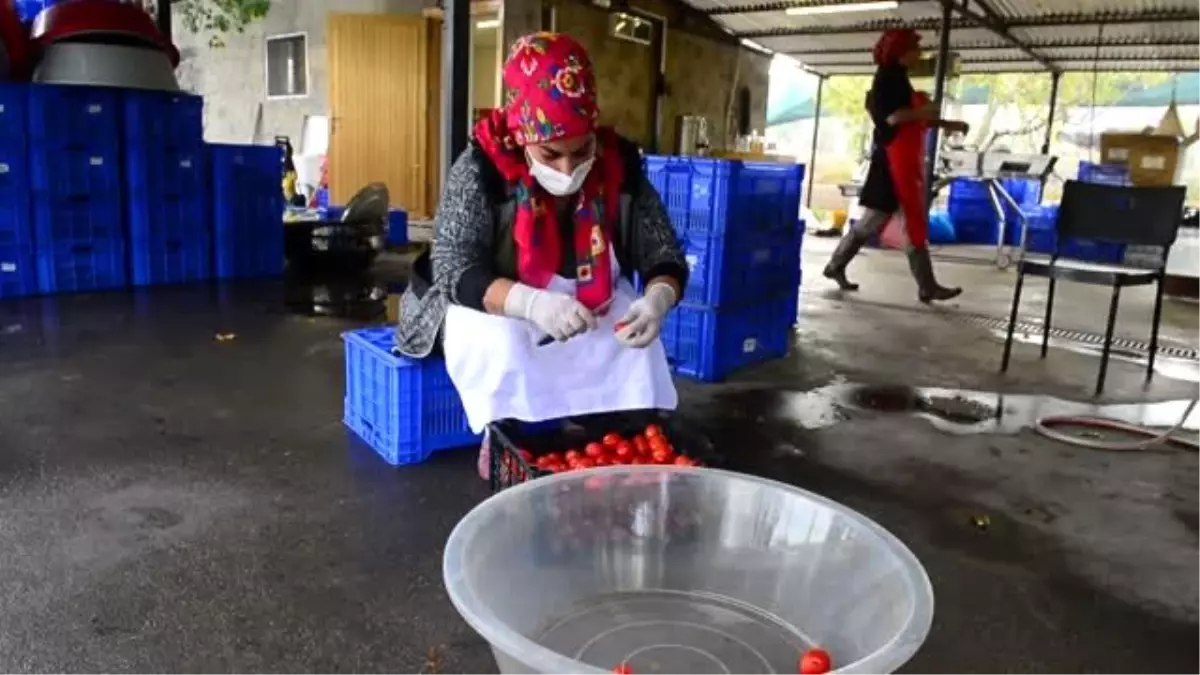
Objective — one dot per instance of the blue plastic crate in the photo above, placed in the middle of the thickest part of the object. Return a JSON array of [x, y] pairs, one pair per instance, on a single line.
[[1104, 174], [28, 10], [1038, 220], [711, 195], [82, 266], [78, 221], [728, 269], [167, 171], [18, 263], [85, 170], [169, 239], [163, 119], [70, 115], [397, 234], [708, 344], [14, 111], [974, 229], [971, 199], [404, 409], [247, 211], [14, 168]]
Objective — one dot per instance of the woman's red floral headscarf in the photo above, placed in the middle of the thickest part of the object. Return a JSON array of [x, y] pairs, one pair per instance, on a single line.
[[552, 96], [893, 44]]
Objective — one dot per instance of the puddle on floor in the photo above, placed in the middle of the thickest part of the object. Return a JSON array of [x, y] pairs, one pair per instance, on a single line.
[[951, 410], [360, 298]]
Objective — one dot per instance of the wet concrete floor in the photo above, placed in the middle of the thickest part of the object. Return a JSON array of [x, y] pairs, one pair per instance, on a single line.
[[174, 501]]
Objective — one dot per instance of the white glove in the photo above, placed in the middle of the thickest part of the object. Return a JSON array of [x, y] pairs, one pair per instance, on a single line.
[[556, 314], [640, 325]]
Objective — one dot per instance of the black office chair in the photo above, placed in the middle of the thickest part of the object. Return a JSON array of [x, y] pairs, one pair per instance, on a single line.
[[1147, 216]]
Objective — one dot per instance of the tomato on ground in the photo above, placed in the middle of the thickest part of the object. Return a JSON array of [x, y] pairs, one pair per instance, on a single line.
[[571, 454], [624, 451], [611, 439], [593, 450], [623, 669], [653, 431]]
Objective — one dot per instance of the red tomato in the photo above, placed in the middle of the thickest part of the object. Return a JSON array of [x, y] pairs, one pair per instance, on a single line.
[[663, 457], [593, 450], [638, 460], [641, 444], [585, 463], [611, 439], [659, 443], [573, 463], [624, 450], [556, 467], [604, 460], [571, 454], [815, 662], [526, 455], [653, 431], [623, 669], [683, 460]]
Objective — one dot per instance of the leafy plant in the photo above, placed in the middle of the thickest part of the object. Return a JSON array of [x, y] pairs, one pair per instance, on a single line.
[[219, 17]]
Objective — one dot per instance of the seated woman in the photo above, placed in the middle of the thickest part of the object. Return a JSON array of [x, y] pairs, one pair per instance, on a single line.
[[543, 221]]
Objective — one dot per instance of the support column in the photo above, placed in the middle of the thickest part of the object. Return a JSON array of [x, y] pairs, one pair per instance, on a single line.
[[810, 170], [456, 64], [162, 16], [1054, 78], [939, 91]]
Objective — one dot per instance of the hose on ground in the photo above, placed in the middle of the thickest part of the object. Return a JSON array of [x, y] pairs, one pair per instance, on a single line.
[[1153, 436]]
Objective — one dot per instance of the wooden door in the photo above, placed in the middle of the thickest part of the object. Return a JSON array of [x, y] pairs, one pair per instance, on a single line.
[[379, 92]]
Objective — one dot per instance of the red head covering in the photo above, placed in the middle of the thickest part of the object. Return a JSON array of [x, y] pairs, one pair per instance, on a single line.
[[893, 44], [551, 89], [552, 96]]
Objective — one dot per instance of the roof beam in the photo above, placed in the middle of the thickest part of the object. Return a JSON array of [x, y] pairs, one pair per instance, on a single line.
[[1177, 66], [987, 18], [1049, 20], [1056, 44], [976, 62], [780, 5]]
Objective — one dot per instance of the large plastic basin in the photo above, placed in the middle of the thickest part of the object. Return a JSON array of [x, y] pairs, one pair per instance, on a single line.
[[680, 570]]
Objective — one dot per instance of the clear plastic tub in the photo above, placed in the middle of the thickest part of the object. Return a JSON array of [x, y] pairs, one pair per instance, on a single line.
[[678, 570]]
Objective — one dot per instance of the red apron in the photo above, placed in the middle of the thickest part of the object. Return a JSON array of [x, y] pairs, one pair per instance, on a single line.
[[906, 159]]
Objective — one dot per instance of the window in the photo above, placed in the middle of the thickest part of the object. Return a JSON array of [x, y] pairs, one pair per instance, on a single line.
[[287, 66], [629, 27]]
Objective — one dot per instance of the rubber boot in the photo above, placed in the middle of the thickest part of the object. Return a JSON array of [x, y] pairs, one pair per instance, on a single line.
[[846, 249], [928, 288]]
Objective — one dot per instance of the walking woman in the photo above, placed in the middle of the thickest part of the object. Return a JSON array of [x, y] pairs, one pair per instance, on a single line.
[[896, 177]]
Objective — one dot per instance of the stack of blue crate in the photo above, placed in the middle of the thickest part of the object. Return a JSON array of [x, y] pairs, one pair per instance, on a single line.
[[167, 196], [247, 211], [974, 216], [18, 260], [75, 170], [737, 223]]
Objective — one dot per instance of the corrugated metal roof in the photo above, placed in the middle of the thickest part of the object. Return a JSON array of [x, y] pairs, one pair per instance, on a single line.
[[993, 36]]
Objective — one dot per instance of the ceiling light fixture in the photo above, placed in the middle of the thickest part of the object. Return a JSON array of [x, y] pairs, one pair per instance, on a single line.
[[487, 23], [810, 10]]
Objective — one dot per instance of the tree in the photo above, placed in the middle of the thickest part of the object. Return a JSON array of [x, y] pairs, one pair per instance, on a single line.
[[1028, 94], [843, 98], [218, 17]]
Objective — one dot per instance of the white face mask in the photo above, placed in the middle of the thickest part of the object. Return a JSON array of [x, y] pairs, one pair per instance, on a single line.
[[558, 183]]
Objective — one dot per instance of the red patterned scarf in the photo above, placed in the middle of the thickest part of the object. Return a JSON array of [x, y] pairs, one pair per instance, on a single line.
[[552, 96]]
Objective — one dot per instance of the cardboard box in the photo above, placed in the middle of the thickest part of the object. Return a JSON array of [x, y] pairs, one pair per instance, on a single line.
[[392, 302], [1153, 159]]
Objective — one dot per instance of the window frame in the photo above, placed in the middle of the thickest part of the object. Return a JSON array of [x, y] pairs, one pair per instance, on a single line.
[[267, 66]]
